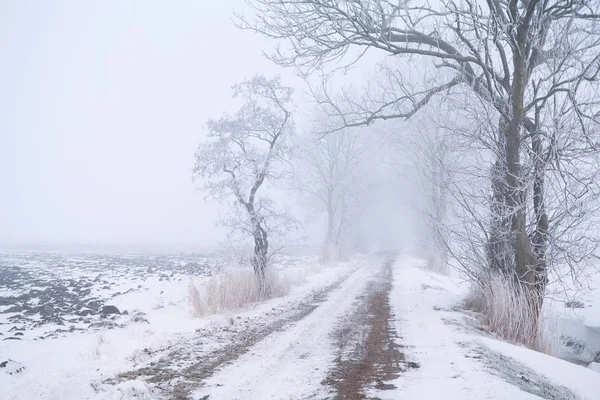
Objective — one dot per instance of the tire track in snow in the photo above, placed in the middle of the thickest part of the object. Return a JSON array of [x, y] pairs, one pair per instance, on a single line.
[[290, 364], [368, 355]]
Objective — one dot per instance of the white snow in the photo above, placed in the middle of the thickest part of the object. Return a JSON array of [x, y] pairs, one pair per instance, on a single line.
[[575, 331], [582, 381], [66, 367]]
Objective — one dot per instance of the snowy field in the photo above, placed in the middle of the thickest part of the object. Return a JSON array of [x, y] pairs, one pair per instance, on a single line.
[[68, 318], [44, 296]]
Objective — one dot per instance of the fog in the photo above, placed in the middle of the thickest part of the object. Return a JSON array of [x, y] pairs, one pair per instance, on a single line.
[[103, 105]]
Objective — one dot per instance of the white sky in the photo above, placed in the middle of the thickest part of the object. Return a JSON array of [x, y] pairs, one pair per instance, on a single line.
[[102, 106]]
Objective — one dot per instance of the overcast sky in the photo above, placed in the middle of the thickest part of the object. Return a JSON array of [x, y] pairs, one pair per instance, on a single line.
[[103, 104]]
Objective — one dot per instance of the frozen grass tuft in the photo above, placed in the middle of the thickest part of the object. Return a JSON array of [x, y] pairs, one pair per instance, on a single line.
[[505, 310], [235, 289]]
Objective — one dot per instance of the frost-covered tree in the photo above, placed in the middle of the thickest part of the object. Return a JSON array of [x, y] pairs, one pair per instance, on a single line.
[[241, 154]]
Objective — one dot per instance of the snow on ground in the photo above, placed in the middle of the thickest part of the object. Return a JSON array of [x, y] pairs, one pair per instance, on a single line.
[[293, 363], [453, 360], [582, 381], [444, 371], [573, 321], [64, 366], [75, 364], [452, 357]]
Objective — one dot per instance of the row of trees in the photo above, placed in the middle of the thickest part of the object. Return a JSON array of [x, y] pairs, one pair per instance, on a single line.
[[511, 173], [526, 75]]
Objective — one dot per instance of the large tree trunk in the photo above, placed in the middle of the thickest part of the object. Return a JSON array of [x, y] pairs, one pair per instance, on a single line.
[[499, 252], [540, 234], [525, 259], [526, 262]]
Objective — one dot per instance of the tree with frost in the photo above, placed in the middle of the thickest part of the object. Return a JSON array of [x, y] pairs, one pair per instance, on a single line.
[[330, 171], [534, 64], [241, 154]]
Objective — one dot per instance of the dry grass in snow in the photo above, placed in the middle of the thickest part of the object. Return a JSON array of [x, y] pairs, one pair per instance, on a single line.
[[237, 288], [505, 310]]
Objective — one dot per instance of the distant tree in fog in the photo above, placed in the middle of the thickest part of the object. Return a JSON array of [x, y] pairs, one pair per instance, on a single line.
[[330, 171], [240, 154], [431, 153]]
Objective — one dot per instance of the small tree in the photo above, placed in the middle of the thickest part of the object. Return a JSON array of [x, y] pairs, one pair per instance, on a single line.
[[240, 155]]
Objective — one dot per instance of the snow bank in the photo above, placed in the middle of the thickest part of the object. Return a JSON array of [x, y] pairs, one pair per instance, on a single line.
[[582, 381], [573, 321]]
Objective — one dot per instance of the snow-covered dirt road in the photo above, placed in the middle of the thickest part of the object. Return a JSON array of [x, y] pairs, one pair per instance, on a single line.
[[259, 345], [313, 358]]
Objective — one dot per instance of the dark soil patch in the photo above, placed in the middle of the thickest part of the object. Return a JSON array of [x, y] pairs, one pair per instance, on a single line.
[[368, 354], [47, 289]]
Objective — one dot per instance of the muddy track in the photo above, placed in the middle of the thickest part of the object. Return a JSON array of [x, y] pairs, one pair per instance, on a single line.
[[186, 365], [368, 355]]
